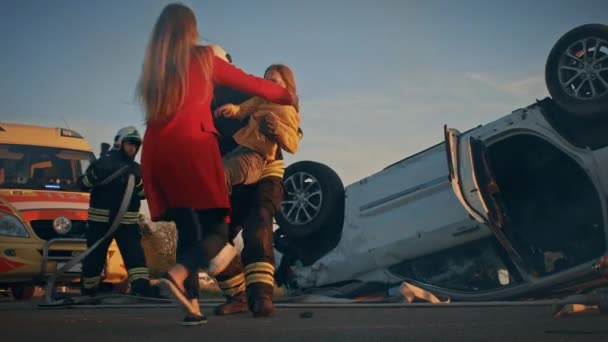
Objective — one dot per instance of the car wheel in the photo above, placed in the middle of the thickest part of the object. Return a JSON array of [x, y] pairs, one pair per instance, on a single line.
[[576, 72], [314, 198], [23, 292]]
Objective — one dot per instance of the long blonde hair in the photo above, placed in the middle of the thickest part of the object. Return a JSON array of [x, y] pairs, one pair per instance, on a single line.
[[164, 78], [289, 79]]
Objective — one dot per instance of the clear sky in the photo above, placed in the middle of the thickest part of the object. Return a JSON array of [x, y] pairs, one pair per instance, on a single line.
[[377, 79]]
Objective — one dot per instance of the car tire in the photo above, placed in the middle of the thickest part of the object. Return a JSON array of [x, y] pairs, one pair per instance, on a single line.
[[314, 198], [574, 73], [23, 292]]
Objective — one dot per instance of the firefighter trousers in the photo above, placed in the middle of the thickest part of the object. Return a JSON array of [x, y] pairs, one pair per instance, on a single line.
[[254, 208], [128, 239]]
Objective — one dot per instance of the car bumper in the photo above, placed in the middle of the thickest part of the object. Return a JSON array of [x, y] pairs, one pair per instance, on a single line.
[[35, 262]]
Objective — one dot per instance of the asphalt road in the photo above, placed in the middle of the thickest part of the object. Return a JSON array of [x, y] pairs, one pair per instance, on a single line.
[[25, 322]]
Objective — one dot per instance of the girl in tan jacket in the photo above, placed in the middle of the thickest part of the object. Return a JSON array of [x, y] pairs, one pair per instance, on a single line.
[[269, 123]]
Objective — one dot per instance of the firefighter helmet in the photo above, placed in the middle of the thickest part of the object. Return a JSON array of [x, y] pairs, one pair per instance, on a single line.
[[221, 53], [129, 134]]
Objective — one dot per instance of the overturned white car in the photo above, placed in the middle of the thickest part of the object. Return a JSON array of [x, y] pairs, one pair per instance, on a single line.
[[513, 208]]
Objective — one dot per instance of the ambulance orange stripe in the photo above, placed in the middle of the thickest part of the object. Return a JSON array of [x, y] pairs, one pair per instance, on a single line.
[[30, 215], [55, 196], [7, 265]]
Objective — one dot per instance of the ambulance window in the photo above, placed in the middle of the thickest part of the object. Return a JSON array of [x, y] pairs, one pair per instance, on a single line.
[[44, 168]]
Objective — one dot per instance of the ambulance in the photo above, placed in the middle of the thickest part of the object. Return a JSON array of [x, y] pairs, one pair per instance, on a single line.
[[43, 212]]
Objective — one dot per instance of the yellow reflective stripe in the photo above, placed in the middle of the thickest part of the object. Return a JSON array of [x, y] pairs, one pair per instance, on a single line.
[[138, 273], [98, 214], [102, 215], [259, 278], [103, 212], [91, 282], [96, 218], [259, 267], [132, 214], [130, 217], [273, 174], [137, 277], [274, 169], [133, 274], [232, 286], [233, 290], [107, 212], [137, 270], [232, 282], [276, 163], [86, 182], [139, 188]]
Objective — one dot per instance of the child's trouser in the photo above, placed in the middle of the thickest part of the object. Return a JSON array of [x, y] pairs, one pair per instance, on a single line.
[[242, 166]]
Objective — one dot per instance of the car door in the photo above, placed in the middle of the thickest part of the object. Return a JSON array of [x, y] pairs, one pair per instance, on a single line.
[[475, 187]]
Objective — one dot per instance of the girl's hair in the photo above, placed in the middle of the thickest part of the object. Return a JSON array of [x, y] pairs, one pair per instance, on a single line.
[[288, 78], [164, 78]]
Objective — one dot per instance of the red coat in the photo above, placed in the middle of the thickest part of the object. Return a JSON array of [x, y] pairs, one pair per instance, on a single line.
[[181, 162]]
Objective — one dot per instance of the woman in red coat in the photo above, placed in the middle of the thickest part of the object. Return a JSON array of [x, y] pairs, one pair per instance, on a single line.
[[181, 163]]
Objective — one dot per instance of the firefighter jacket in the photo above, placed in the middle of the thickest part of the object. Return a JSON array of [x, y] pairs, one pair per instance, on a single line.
[[106, 198]]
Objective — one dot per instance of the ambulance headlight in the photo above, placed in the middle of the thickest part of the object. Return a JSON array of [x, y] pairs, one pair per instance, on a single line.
[[62, 225], [10, 225]]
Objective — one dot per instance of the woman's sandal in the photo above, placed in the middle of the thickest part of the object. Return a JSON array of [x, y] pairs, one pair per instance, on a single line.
[[170, 288]]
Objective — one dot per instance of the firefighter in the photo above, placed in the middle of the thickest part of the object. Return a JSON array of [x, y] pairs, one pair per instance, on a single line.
[[116, 166], [248, 281]]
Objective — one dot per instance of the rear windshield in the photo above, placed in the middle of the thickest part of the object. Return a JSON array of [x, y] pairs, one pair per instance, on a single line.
[[42, 168]]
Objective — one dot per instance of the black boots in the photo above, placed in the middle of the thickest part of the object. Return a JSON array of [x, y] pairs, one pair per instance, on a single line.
[[142, 288], [261, 306], [234, 304], [259, 299]]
